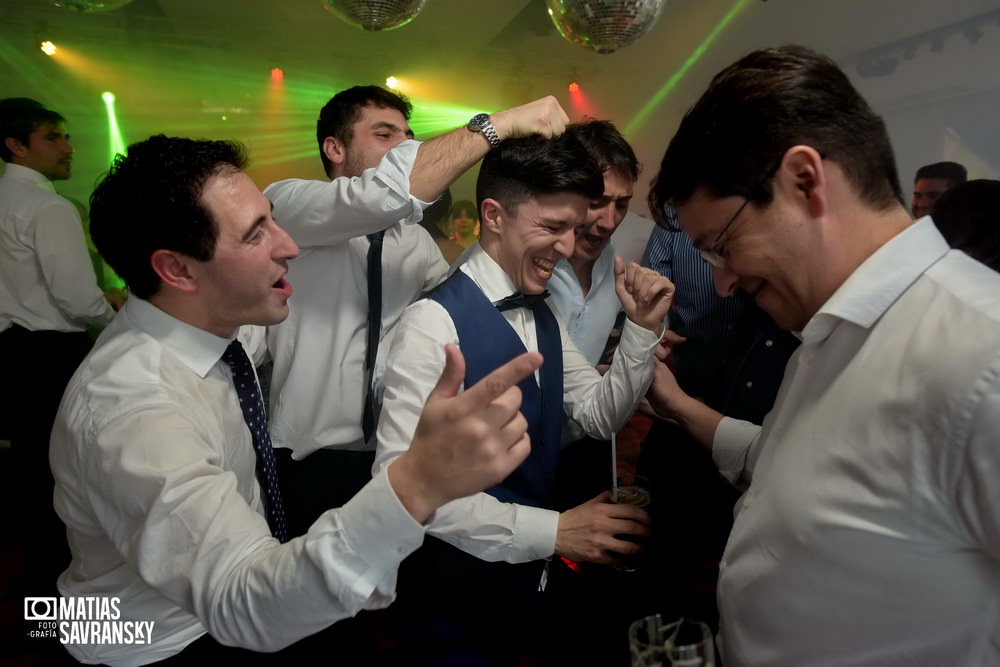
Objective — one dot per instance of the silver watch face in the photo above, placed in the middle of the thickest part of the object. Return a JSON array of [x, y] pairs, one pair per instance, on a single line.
[[479, 121]]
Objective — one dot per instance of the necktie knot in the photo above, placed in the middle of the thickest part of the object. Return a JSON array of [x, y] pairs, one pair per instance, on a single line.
[[520, 300]]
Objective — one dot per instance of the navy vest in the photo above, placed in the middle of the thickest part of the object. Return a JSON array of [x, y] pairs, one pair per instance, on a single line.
[[488, 341], [439, 573]]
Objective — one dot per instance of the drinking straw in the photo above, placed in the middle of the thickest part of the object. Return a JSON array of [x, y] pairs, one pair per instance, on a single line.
[[614, 468]]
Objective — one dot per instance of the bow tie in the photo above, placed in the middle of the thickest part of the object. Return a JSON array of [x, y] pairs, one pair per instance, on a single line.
[[519, 300]]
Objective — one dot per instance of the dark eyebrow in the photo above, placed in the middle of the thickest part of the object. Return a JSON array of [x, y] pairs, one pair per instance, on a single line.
[[248, 234]]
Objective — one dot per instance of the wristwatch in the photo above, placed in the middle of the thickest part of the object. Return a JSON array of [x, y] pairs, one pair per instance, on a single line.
[[481, 123]]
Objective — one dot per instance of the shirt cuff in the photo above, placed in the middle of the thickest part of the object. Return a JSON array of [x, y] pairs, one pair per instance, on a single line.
[[379, 528], [395, 168], [730, 447], [638, 339], [534, 532]]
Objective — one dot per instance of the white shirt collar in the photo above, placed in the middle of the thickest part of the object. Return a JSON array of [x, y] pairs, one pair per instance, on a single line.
[[195, 348], [876, 284], [487, 274], [22, 173]]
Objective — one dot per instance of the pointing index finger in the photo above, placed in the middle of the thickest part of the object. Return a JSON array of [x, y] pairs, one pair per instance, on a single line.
[[496, 383]]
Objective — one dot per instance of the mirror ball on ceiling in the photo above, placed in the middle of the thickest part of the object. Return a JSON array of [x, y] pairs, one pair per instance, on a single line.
[[91, 5], [604, 25], [374, 14]]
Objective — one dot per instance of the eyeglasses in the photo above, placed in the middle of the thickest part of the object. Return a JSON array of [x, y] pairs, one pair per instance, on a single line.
[[711, 254]]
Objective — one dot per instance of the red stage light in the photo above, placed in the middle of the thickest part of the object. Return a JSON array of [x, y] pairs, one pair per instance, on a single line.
[[574, 87], [277, 74]]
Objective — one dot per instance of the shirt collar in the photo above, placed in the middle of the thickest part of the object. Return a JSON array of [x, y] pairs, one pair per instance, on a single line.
[[487, 274], [22, 173], [196, 348], [881, 279]]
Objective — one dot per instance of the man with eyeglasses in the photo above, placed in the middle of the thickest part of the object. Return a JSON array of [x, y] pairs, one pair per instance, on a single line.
[[869, 529]]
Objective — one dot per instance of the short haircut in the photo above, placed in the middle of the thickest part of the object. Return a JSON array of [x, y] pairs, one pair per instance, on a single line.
[[19, 117], [968, 216], [607, 147], [521, 169], [758, 108], [338, 116], [952, 172], [151, 199]]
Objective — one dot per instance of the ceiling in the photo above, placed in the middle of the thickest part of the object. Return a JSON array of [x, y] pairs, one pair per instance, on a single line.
[[180, 66]]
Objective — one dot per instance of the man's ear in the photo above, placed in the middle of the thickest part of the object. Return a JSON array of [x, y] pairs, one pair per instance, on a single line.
[[334, 150], [491, 215], [803, 176], [15, 147], [174, 270]]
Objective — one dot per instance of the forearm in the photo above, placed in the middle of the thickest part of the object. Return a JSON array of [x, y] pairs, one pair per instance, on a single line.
[[696, 418], [347, 562], [319, 213], [603, 404], [443, 159]]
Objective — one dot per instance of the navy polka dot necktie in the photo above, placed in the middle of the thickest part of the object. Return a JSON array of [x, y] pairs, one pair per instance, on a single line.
[[253, 413]]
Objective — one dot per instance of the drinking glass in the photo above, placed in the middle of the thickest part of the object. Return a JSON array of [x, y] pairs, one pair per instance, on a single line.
[[681, 643], [630, 489]]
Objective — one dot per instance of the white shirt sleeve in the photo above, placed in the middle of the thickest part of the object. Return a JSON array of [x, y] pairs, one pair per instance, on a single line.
[[181, 522], [318, 213], [977, 492], [603, 404], [735, 448], [65, 264]]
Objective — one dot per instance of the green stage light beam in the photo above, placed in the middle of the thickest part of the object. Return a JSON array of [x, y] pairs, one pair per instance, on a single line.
[[647, 109], [116, 145]]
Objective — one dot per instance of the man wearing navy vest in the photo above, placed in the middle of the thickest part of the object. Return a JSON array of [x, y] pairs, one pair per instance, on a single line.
[[485, 570]]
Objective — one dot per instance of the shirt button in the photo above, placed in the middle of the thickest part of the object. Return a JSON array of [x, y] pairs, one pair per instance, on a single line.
[[768, 342], [749, 383]]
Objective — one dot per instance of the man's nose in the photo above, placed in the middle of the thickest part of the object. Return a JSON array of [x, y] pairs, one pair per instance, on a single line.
[[725, 280], [566, 242]]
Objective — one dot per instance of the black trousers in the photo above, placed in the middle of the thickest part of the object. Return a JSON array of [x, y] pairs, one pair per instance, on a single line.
[[37, 365], [325, 479]]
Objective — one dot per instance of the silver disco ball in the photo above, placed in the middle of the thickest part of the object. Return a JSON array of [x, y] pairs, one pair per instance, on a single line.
[[91, 5], [604, 25], [374, 14]]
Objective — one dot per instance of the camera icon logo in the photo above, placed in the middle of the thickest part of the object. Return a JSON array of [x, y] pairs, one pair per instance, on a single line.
[[41, 609]]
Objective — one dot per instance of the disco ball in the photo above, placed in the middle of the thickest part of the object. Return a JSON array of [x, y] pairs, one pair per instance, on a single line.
[[374, 14], [604, 25], [91, 5]]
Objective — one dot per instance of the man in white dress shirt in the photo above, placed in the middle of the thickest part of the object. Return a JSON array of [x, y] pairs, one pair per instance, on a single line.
[[486, 568], [48, 299], [155, 467], [869, 529], [323, 388]]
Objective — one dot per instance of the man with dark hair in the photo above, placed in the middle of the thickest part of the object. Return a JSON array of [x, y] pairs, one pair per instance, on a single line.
[[533, 194], [164, 472], [364, 260], [583, 285], [49, 298], [931, 181], [583, 294], [869, 530]]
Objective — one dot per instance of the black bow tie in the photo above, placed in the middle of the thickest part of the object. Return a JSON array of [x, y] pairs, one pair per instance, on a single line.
[[519, 300]]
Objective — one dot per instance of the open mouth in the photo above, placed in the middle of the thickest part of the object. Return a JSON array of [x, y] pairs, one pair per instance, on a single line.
[[544, 266], [283, 286], [592, 241]]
